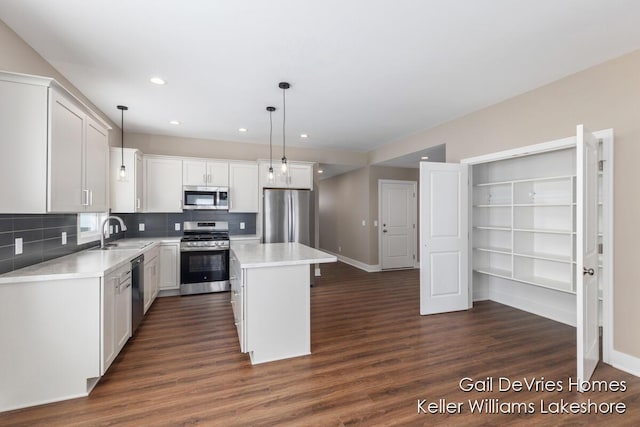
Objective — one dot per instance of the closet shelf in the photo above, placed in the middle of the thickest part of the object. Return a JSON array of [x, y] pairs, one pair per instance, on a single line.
[[544, 256], [493, 206], [497, 250], [540, 230], [546, 283], [556, 285], [550, 178], [482, 227], [536, 205], [497, 272]]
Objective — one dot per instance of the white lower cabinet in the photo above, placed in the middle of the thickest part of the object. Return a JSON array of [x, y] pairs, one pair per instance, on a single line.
[[116, 314], [169, 266], [151, 277], [237, 298]]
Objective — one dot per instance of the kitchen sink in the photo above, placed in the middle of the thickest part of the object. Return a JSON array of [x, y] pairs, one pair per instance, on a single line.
[[123, 246]]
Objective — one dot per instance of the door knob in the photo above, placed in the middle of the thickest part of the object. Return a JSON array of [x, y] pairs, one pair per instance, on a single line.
[[589, 271]]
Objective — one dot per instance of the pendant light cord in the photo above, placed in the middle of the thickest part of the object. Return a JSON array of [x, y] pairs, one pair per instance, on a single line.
[[284, 119], [270, 144], [122, 134]]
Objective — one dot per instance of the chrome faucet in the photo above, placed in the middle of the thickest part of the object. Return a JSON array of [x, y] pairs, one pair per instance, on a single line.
[[106, 220]]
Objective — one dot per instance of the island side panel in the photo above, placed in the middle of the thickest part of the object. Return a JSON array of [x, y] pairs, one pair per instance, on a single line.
[[278, 320], [49, 332]]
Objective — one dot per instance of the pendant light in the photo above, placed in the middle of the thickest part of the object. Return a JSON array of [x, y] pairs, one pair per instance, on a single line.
[[270, 110], [123, 169], [284, 86]]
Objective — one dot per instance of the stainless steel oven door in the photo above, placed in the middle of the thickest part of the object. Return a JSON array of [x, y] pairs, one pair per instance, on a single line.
[[204, 270]]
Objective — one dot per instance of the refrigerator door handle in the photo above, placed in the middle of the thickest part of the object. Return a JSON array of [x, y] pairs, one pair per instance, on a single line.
[[291, 217]]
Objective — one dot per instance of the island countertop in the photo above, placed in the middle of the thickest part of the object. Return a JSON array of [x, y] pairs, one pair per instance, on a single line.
[[278, 254]]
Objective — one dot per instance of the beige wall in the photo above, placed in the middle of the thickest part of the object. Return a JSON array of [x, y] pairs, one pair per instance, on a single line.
[[18, 57], [605, 96], [344, 203], [348, 199], [178, 146]]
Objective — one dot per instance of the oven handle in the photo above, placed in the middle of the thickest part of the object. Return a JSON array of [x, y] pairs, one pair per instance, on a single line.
[[203, 249]]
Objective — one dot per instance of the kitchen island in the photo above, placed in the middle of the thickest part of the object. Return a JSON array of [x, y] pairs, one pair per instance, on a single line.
[[270, 297]]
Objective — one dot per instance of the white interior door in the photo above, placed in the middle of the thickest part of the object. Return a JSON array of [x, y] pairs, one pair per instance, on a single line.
[[588, 349], [397, 224], [444, 237]]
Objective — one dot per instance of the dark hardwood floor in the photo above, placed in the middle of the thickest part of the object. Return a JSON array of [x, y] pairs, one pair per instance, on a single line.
[[374, 357]]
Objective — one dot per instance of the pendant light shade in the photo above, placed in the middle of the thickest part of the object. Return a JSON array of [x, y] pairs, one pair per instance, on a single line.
[[123, 169], [284, 86], [271, 110]]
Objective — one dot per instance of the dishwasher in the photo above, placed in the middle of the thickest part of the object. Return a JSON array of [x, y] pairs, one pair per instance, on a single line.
[[137, 292]]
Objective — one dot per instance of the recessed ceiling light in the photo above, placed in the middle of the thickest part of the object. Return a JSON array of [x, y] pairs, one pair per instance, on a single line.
[[425, 157], [174, 122], [304, 135], [320, 171], [157, 81], [242, 130]]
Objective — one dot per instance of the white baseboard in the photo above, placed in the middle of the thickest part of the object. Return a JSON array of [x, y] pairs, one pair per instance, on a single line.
[[355, 263], [625, 362]]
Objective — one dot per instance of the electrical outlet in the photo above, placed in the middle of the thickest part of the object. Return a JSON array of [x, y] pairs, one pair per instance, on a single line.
[[110, 230], [242, 226], [141, 227], [375, 223], [18, 245], [177, 226], [364, 223], [64, 237], [339, 248]]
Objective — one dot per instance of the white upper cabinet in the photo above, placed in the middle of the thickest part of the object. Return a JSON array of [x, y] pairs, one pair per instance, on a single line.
[[64, 144], [96, 161], [243, 187], [65, 156], [299, 175], [210, 173], [162, 184], [126, 194]]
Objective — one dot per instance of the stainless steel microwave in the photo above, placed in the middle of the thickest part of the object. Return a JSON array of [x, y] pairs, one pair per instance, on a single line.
[[204, 198]]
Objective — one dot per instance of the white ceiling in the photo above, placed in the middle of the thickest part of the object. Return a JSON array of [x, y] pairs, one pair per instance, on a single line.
[[363, 72]]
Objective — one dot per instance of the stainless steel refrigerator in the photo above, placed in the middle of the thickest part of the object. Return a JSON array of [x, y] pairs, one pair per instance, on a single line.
[[288, 216]]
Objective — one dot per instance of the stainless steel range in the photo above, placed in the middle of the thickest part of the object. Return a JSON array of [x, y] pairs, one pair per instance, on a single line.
[[204, 257]]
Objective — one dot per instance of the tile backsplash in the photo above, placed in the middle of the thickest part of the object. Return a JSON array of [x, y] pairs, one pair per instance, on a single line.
[[163, 224], [41, 239], [42, 234]]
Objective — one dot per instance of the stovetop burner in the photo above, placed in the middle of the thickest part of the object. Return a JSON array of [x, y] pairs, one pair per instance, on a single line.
[[215, 236], [205, 231]]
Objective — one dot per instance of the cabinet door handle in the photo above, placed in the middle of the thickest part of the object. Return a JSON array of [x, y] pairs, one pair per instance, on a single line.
[[209, 180], [90, 198], [137, 203], [85, 198]]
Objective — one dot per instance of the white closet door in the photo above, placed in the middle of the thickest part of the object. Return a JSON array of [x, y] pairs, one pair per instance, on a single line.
[[444, 238], [587, 253]]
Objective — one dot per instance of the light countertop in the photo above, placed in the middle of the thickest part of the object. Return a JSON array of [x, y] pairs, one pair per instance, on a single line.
[[83, 264], [279, 254], [241, 237]]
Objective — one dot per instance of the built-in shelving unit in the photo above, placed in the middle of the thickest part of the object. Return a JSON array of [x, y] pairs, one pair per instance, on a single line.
[[524, 219]]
